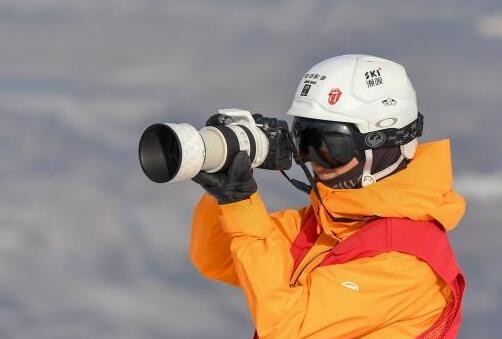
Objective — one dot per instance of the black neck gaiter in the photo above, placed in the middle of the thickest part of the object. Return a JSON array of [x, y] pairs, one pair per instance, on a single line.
[[382, 158]]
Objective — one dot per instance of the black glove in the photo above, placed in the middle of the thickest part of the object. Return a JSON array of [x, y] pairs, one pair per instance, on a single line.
[[236, 184]]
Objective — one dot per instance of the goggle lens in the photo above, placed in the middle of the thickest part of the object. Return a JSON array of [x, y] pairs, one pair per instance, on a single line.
[[326, 143]]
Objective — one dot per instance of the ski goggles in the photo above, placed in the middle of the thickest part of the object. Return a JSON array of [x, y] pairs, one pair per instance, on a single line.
[[327, 143]]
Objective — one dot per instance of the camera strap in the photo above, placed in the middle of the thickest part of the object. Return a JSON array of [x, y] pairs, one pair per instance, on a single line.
[[305, 188]]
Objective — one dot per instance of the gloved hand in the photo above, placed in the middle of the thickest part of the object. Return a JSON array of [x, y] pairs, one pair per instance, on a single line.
[[236, 184]]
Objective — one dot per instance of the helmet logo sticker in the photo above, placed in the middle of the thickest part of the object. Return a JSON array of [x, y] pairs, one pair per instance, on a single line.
[[389, 102], [310, 79], [314, 76], [374, 77], [305, 90], [386, 123], [375, 139], [334, 96]]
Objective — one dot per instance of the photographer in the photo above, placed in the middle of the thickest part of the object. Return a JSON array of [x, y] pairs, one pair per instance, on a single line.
[[369, 256]]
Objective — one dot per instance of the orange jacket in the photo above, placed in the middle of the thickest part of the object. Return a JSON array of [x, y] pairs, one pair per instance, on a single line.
[[398, 295]]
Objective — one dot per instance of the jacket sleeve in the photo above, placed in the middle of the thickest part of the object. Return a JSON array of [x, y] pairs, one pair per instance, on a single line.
[[263, 266], [210, 245]]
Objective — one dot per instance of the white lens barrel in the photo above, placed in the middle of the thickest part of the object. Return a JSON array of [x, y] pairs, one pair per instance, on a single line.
[[216, 147], [193, 151], [262, 147], [244, 143], [172, 152], [222, 143]]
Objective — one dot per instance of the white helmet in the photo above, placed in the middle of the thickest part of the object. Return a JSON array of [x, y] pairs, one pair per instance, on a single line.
[[372, 94]]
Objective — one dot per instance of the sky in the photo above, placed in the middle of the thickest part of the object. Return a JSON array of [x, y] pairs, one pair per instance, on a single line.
[[90, 248]]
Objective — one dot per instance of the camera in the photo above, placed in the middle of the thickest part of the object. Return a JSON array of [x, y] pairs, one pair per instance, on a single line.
[[170, 152]]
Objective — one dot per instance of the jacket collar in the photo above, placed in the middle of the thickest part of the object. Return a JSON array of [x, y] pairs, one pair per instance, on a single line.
[[422, 191]]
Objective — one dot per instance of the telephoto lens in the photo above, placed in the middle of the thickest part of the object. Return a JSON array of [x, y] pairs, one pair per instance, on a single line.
[[171, 152]]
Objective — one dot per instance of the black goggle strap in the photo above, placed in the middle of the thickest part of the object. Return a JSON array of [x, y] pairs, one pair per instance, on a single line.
[[308, 188], [390, 137]]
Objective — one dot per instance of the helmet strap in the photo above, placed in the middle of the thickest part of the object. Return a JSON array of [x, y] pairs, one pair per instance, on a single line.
[[386, 171], [368, 178]]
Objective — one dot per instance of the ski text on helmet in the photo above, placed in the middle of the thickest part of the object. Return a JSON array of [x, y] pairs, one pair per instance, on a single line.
[[373, 78]]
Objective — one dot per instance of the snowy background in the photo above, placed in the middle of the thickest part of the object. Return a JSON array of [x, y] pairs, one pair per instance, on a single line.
[[89, 248]]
